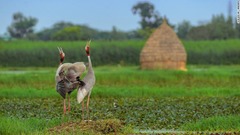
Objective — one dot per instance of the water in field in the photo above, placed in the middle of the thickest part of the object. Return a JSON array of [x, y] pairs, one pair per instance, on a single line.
[[22, 71]]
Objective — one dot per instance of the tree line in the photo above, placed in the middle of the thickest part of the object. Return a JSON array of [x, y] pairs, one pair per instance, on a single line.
[[219, 27]]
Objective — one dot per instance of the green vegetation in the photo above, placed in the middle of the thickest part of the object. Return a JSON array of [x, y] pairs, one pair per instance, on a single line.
[[125, 99], [45, 54], [216, 123], [21, 26], [205, 98], [218, 52], [146, 113], [11, 125], [128, 81], [220, 27]]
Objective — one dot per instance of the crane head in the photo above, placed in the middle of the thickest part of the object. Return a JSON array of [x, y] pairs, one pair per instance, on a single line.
[[61, 54], [87, 48]]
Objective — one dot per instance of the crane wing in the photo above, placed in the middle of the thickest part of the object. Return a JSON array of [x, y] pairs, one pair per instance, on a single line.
[[70, 71], [61, 71], [75, 70]]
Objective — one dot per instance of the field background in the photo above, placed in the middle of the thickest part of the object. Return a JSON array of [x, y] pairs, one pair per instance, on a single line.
[[205, 98], [44, 54]]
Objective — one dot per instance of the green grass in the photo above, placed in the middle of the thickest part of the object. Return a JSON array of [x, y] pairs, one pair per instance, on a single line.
[[202, 98], [34, 126], [216, 123], [10, 126], [142, 113], [128, 82]]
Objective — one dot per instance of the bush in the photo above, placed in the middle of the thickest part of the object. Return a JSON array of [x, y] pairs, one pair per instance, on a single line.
[[68, 33]]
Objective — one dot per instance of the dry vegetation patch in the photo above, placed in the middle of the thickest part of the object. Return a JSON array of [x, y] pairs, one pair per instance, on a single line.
[[108, 126]]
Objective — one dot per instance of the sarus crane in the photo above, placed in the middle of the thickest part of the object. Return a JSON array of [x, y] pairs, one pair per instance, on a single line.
[[68, 78], [89, 81]]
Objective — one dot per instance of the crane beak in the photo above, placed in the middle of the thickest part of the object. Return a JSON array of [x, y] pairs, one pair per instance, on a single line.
[[88, 43], [60, 50]]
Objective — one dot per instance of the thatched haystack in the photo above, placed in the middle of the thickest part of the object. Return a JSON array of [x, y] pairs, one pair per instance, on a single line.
[[163, 50]]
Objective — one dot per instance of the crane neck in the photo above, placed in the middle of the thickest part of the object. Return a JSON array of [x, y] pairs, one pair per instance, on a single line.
[[89, 64], [89, 61]]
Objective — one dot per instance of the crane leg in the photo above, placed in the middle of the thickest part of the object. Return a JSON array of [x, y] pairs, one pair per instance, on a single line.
[[88, 100], [82, 110], [69, 108], [64, 106]]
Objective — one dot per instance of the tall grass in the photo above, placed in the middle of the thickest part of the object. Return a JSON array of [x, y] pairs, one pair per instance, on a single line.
[[217, 46], [27, 53], [217, 52], [40, 53]]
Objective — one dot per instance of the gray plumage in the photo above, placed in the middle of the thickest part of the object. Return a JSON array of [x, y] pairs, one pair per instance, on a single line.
[[67, 77], [89, 81]]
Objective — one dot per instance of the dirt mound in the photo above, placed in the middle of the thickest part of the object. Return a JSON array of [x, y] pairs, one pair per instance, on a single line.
[[109, 126]]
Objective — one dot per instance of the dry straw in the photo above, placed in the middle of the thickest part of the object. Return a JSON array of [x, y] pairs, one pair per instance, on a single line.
[[163, 50]]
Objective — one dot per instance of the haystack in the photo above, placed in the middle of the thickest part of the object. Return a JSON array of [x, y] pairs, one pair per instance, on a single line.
[[163, 50]]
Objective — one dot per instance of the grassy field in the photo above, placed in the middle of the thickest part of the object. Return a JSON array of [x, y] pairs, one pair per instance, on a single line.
[[45, 54], [128, 82], [205, 98]]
